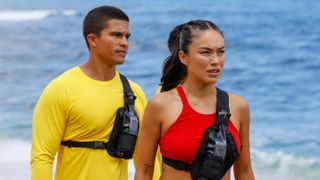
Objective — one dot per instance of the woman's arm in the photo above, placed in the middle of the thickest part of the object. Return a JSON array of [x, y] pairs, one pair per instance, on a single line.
[[148, 140], [242, 167]]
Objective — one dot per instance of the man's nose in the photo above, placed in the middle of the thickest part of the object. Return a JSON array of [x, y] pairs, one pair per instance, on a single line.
[[124, 41]]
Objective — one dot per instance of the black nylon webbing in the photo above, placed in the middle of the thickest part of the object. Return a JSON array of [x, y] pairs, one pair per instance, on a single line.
[[90, 144], [177, 164], [128, 94], [223, 111]]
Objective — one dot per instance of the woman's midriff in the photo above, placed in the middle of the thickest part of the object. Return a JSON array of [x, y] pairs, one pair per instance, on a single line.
[[169, 173]]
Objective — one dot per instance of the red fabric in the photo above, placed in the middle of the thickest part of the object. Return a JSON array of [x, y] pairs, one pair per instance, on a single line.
[[182, 140]]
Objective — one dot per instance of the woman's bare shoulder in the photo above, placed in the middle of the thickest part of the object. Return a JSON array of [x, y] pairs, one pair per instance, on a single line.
[[240, 107], [164, 99], [238, 101]]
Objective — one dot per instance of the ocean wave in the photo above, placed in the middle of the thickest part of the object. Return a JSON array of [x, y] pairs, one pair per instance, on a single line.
[[284, 166], [32, 15], [17, 151]]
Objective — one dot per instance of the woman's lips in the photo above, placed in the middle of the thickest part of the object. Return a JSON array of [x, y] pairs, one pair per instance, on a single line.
[[214, 72]]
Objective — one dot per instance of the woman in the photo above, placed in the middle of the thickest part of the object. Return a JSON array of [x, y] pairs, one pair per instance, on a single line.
[[178, 117]]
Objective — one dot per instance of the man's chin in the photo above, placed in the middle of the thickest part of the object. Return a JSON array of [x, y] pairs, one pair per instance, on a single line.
[[119, 61]]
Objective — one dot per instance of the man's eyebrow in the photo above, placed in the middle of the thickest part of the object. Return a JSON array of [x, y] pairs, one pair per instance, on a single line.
[[116, 32], [119, 32]]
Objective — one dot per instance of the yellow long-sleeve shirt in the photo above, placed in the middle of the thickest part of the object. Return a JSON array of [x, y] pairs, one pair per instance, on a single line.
[[78, 108]]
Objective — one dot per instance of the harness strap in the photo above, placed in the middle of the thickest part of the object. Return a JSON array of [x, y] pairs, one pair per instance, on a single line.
[[89, 144], [177, 164], [129, 99], [223, 111]]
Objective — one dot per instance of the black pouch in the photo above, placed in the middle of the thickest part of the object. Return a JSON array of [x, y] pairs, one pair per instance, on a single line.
[[124, 134], [218, 149], [210, 160], [128, 137]]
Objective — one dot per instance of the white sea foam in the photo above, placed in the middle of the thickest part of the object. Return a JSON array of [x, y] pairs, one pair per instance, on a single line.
[[69, 12], [15, 155], [31, 15], [283, 166]]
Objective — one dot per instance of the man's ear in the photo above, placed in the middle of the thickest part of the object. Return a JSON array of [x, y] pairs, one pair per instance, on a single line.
[[91, 38], [183, 58]]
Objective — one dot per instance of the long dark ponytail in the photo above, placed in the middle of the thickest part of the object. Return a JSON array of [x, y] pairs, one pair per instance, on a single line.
[[180, 39]]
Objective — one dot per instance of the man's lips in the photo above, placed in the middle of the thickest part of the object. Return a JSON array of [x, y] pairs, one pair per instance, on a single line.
[[121, 52]]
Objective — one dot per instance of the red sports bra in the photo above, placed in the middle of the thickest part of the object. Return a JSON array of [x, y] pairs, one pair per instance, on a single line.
[[182, 140]]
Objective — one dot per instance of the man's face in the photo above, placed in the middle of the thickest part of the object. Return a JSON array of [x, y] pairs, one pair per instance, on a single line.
[[112, 44]]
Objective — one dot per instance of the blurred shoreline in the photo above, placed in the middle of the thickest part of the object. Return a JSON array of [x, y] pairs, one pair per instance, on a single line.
[[15, 159]]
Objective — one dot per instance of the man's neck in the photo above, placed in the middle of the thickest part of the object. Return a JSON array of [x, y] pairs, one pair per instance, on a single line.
[[98, 70]]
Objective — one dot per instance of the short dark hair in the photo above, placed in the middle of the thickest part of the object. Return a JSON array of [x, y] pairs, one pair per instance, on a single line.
[[95, 20]]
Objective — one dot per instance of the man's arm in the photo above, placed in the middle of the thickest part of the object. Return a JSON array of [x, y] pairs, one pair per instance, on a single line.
[[47, 129]]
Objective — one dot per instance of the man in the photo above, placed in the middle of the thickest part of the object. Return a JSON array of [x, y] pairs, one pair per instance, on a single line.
[[80, 105]]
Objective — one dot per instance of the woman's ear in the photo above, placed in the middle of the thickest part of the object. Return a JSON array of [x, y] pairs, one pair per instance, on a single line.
[[91, 38], [183, 58]]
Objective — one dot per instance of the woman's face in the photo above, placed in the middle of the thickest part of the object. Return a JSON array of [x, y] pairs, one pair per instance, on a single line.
[[206, 56]]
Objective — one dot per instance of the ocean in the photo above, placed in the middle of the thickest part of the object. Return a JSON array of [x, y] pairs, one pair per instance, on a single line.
[[273, 61]]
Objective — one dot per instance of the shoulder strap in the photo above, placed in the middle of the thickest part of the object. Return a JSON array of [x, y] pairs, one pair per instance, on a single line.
[[184, 99], [129, 97], [223, 111]]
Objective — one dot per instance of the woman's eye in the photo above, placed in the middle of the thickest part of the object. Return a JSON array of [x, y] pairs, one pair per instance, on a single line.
[[205, 52], [221, 52]]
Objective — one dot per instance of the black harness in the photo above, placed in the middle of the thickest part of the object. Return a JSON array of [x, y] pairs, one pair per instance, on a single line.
[[125, 130], [218, 150]]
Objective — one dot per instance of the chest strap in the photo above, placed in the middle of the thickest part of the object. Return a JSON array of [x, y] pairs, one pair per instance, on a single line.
[[177, 164], [89, 144]]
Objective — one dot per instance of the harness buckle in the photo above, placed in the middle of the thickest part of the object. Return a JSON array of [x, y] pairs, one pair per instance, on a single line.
[[99, 145], [69, 143]]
